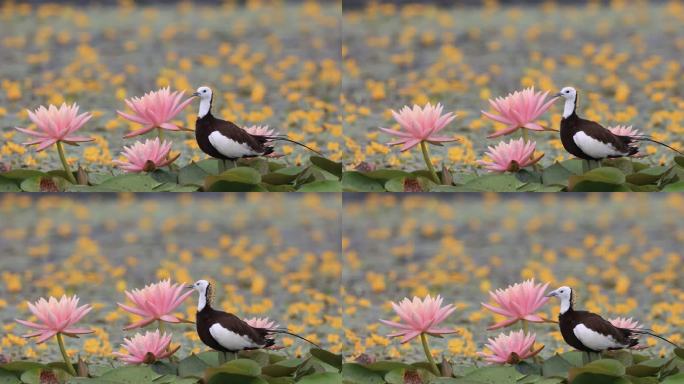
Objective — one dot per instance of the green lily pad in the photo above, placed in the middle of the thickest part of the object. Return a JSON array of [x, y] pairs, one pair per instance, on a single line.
[[192, 366], [556, 174], [595, 378], [556, 366], [244, 367], [674, 379], [358, 182], [240, 179], [386, 174], [131, 375], [357, 373], [322, 186], [225, 378], [322, 378], [282, 368], [327, 165], [282, 176], [411, 184], [327, 357], [496, 182], [133, 182], [21, 174], [44, 184], [193, 174], [495, 375], [674, 187], [608, 367]]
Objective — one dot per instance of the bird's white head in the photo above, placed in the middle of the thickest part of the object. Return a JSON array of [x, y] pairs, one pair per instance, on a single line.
[[567, 93], [205, 94], [570, 96], [200, 286], [565, 295], [205, 294]]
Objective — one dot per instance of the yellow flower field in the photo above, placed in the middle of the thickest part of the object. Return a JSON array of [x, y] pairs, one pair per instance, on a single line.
[[270, 63], [621, 253], [274, 257], [623, 57]]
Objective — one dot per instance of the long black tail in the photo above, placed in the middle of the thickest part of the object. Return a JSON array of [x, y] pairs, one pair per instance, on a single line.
[[649, 332], [284, 331], [285, 138], [651, 140]]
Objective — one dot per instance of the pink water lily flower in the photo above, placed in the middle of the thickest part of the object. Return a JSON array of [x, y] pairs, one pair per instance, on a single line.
[[510, 349], [420, 125], [623, 130], [147, 348], [146, 156], [56, 125], [511, 157], [624, 322], [262, 322], [261, 130], [264, 130], [155, 110], [420, 316], [627, 323], [56, 317], [155, 302], [519, 301], [518, 110]]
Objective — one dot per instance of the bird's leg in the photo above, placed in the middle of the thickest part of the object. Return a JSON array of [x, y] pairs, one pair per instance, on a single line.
[[222, 357], [585, 358], [585, 166], [600, 163], [234, 163], [221, 166]]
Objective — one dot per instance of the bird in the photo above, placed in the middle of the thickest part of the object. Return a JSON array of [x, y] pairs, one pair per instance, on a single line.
[[591, 333], [590, 141], [227, 333], [224, 140]]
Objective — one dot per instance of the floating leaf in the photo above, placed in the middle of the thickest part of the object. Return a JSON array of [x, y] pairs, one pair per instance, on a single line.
[[674, 187], [357, 373], [322, 378], [244, 367], [327, 165], [192, 366], [357, 182], [495, 375], [327, 357], [322, 186]]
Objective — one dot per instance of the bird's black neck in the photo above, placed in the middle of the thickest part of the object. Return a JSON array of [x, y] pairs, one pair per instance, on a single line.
[[208, 116]]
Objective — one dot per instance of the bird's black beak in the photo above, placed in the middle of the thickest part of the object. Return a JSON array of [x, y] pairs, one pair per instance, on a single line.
[[558, 94], [190, 286], [551, 294], [196, 94]]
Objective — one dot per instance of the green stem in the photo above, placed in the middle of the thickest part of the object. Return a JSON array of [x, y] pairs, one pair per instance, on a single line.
[[426, 348], [60, 150], [426, 157], [160, 134], [524, 135], [161, 326], [70, 367], [525, 326]]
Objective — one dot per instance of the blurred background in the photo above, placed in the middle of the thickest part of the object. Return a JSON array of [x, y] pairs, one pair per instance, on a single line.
[[622, 253], [275, 256], [624, 57], [272, 63]]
